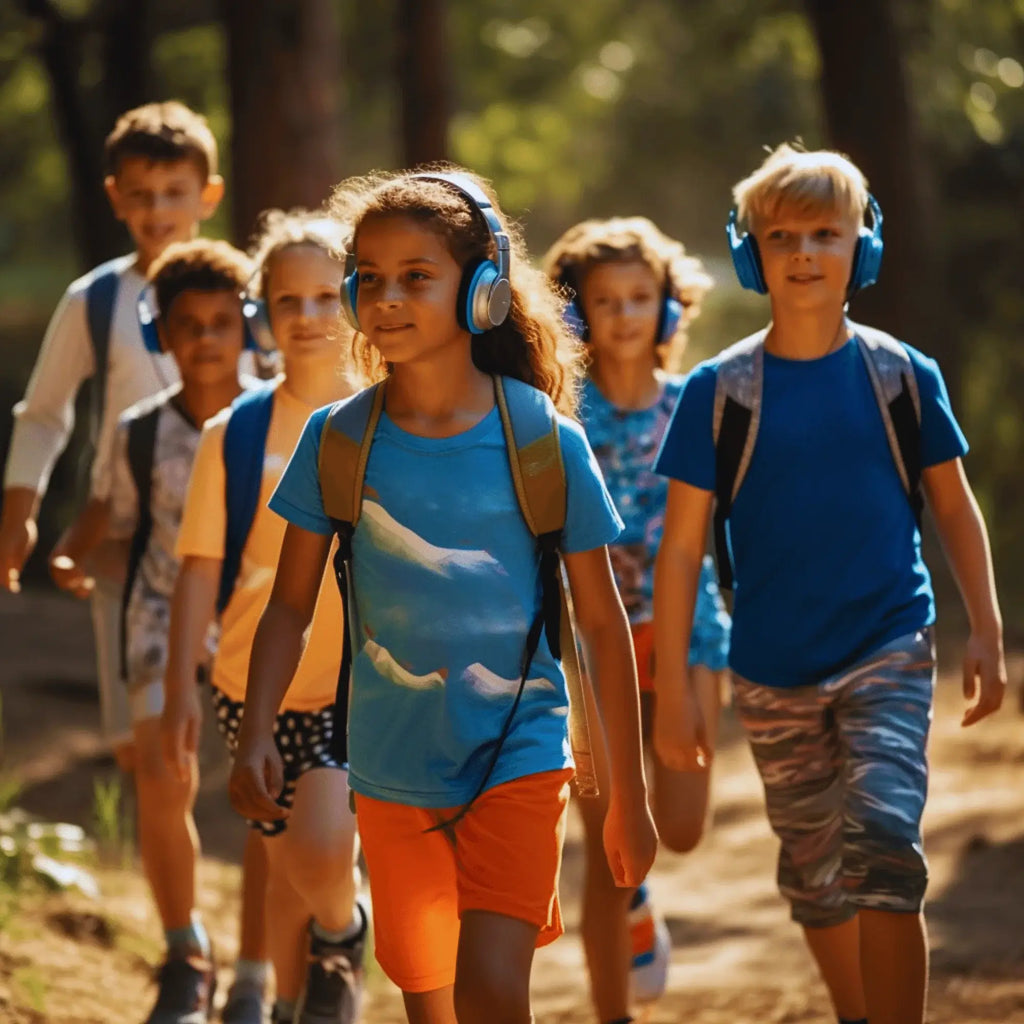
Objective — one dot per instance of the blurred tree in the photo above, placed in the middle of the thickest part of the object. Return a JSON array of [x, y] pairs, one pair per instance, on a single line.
[[421, 72], [862, 75], [284, 70], [114, 34]]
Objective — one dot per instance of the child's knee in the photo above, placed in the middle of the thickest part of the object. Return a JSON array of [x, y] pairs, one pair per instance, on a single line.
[[886, 871], [322, 860], [160, 789], [490, 994]]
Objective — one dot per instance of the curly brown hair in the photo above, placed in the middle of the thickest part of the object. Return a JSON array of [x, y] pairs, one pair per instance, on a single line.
[[164, 133], [202, 264], [633, 240], [281, 229], [533, 344]]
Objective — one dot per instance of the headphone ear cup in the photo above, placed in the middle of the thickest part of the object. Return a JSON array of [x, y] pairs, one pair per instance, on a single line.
[[867, 260], [671, 314], [746, 259], [350, 299], [575, 319], [473, 301]]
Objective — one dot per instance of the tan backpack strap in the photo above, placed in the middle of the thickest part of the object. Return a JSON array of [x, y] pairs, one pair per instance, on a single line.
[[538, 475], [344, 452]]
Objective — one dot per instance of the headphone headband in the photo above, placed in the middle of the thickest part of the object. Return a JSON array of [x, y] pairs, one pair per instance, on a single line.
[[485, 294]]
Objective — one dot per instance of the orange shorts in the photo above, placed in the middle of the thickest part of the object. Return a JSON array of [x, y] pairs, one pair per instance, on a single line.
[[643, 647], [505, 859]]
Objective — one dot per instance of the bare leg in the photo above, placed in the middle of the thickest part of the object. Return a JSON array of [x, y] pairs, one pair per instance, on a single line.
[[837, 952], [168, 841], [252, 944], [894, 958], [435, 1007], [492, 973], [287, 918]]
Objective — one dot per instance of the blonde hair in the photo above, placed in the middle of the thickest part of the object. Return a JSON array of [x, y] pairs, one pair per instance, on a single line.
[[282, 229], [533, 344], [805, 182], [633, 240]]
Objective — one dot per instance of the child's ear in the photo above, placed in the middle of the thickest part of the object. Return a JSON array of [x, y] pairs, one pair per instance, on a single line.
[[212, 194], [113, 195]]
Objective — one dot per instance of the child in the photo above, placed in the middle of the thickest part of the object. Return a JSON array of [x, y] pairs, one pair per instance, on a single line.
[[824, 430], [459, 761], [196, 288], [633, 293], [162, 182], [311, 862]]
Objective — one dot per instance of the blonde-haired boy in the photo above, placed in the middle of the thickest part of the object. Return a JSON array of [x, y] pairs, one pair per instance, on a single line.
[[818, 437]]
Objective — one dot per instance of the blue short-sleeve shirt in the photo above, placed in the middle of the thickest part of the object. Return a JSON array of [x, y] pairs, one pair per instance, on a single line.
[[444, 576], [826, 551]]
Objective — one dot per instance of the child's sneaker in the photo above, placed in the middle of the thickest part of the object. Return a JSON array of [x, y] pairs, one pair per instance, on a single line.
[[244, 1005], [334, 983], [651, 945], [186, 986]]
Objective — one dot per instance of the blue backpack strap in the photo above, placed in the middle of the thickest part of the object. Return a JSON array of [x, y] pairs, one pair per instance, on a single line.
[[245, 445], [100, 297], [899, 401], [141, 448], [739, 383]]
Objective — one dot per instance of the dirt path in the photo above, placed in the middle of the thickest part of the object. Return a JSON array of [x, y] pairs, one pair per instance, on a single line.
[[736, 958]]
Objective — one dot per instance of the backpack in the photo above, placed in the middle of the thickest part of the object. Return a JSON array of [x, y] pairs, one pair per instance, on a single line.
[[737, 413], [245, 445], [100, 298], [538, 475]]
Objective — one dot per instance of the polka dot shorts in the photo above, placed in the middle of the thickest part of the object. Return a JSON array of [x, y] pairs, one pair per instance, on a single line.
[[303, 739]]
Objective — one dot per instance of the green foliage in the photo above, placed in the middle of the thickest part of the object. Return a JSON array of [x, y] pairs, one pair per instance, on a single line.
[[113, 826]]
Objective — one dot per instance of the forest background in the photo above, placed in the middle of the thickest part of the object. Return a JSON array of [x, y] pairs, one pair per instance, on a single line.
[[599, 107]]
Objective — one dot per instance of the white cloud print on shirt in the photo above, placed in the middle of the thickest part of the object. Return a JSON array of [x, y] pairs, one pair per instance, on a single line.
[[387, 534]]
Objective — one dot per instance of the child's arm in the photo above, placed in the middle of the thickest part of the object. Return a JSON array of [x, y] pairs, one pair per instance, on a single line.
[[193, 606], [257, 776], [18, 534], [680, 738], [77, 543], [630, 838], [965, 540]]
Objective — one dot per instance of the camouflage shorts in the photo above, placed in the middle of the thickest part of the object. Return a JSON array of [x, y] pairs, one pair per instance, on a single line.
[[845, 775]]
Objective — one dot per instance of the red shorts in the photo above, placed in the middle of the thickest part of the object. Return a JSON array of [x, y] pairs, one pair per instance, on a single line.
[[506, 861]]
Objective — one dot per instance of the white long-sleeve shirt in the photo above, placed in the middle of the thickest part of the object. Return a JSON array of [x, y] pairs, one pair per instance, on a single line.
[[46, 415]]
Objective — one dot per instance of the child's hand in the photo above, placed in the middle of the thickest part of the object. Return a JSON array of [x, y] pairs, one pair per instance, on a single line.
[[17, 540], [630, 840], [69, 575], [680, 735], [257, 778], [984, 677], [179, 729]]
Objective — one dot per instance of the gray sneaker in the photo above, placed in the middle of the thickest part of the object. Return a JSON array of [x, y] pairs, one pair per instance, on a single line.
[[244, 1005], [333, 992], [186, 984]]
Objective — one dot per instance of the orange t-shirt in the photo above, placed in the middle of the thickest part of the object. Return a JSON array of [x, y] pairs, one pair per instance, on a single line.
[[202, 533]]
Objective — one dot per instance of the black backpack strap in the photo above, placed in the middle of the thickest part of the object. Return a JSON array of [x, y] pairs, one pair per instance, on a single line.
[[732, 441], [141, 449]]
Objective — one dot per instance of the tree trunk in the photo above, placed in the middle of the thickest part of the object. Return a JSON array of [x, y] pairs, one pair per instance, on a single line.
[[284, 71], [870, 117], [421, 61], [84, 118]]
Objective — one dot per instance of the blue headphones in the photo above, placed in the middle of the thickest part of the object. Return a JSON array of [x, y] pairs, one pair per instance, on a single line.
[[254, 313], [670, 314], [485, 294], [867, 256]]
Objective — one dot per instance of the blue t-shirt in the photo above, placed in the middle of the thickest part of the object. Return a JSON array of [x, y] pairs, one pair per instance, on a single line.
[[826, 551], [444, 576]]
